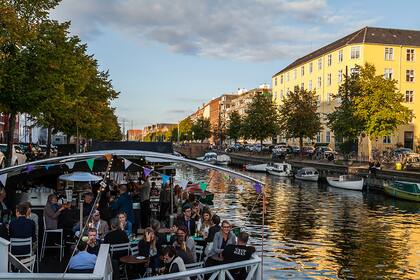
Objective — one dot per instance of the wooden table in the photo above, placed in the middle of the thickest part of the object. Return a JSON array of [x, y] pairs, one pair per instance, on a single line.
[[133, 260]]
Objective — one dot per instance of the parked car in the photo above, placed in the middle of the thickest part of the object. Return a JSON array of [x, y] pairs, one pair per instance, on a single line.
[[31, 151], [18, 155], [308, 151], [324, 152]]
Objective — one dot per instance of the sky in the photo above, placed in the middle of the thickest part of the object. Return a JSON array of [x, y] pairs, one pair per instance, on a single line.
[[168, 57]]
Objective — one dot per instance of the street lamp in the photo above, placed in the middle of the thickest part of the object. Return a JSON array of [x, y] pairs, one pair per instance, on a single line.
[[193, 136]]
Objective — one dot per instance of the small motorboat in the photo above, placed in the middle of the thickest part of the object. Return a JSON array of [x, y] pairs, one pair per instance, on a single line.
[[210, 157], [222, 159], [403, 189], [279, 169], [307, 174], [347, 182], [256, 167]]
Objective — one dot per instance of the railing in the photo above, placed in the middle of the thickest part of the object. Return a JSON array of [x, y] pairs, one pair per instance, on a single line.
[[219, 272], [102, 270]]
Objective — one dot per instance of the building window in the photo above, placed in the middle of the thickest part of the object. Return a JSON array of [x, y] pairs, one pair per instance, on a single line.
[[387, 139], [410, 54], [354, 71], [281, 94], [318, 137], [329, 97], [409, 75], [302, 86], [288, 76], [281, 79], [388, 73], [329, 79], [310, 85], [319, 82], [320, 64], [389, 53], [275, 95], [302, 71], [311, 67], [275, 81], [328, 136], [409, 96], [329, 59], [340, 56], [355, 52], [340, 76], [318, 100], [294, 74]]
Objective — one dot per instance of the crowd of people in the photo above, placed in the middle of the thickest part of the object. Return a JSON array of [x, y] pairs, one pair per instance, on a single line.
[[168, 249]]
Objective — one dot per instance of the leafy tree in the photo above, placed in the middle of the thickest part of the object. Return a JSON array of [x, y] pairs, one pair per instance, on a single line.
[[20, 21], [298, 115], [174, 134], [262, 119], [201, 129], [234, 129], [185, 131]]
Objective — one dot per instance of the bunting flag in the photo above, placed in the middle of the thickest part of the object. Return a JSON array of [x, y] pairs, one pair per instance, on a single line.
[[3, 178], [29, 168], [127, 163], [203, 186], [108, 157], [183, 184], [47, 166], [165, 179], [90, 163], [226, 177], [257, 187], [147, 171], [70, 164]]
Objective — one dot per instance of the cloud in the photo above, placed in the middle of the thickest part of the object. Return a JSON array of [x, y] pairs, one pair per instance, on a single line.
[[251, 30]]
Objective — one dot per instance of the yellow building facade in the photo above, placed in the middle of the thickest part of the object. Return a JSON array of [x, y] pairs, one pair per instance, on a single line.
[[395, 53]]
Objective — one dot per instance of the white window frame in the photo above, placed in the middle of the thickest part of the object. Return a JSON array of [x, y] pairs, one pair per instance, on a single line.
[[329, 60], [329, 79], [288, 76], [310, 85], [340, 76], [355, 52], [388, 73], [319, 83], [281, 79], [302, 71], [386, 139], [294, 74], [389, 53], [409, 96], [410, 54], [340, 56], [409, 75], [319, 63], [327, 136], [311, 67], [275, 81], [281, 94]]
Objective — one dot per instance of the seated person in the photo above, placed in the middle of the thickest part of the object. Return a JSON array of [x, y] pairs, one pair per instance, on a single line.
[[213, 229], [82, 261], [100, 225], [186, 220], [195, 211], [32, 216], [22, 227], [51, 212], [116, 236], [236, 253], [221, 239], [205, 223], [93, 242], [173, 263], [183, 237], [125, 225], [149, 247]]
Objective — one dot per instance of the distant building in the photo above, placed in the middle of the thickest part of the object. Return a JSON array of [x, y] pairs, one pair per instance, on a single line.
[[392, 51], [134, 135], [158, 132]]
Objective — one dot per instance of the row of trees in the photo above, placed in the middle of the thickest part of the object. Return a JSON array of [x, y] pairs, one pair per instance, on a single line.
[[48, 73], [368, 104]]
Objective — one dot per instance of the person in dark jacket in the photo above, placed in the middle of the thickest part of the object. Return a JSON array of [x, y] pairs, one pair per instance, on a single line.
[[173, 262], [236, 253], [214, 229], [149, 247], [22, 227], [93, 242], [87, 204], [185, 219], [116, 236], [124, 204]]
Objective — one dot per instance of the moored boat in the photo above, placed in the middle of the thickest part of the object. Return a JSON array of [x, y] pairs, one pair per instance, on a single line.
[[347, 182], [222, 159], [210, 158], [307, 174], [279, 169], [404, 190], [256, 167]]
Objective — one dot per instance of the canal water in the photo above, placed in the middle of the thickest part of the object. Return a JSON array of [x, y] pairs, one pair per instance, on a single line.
[[313, 231]]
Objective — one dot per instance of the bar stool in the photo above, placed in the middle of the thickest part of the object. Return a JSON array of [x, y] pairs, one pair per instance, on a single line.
[[44, 240]]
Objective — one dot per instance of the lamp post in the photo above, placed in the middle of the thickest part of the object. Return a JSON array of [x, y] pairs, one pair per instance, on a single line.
[[193, 136]]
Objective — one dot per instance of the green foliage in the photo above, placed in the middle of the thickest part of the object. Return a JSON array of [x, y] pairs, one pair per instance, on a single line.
[[368, 103], [234, 129], [201, 129], [262, 119], [185, 127], [298, 115]]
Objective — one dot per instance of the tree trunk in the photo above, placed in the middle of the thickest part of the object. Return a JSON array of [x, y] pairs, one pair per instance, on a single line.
[[11, 138], [301, 147], [49, 130]]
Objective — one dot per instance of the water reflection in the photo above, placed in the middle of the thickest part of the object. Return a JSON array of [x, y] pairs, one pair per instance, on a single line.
[[318, 232]]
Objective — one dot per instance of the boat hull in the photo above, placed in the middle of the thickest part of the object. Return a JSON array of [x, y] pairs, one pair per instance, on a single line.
[[256, 167], [348, 185], [312, 178], [279, 173], [398, 193]]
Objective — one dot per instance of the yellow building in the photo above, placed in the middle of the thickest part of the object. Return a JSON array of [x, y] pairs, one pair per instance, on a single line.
[[392, 51]]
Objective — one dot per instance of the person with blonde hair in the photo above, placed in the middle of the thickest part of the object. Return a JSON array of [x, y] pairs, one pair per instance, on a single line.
[[149, 247]]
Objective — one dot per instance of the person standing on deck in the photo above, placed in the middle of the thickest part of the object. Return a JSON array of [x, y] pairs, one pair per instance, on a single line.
[[124, 203], [144, 192]]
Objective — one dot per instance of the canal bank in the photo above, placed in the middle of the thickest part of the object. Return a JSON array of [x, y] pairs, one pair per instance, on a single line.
[[325, 168]]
